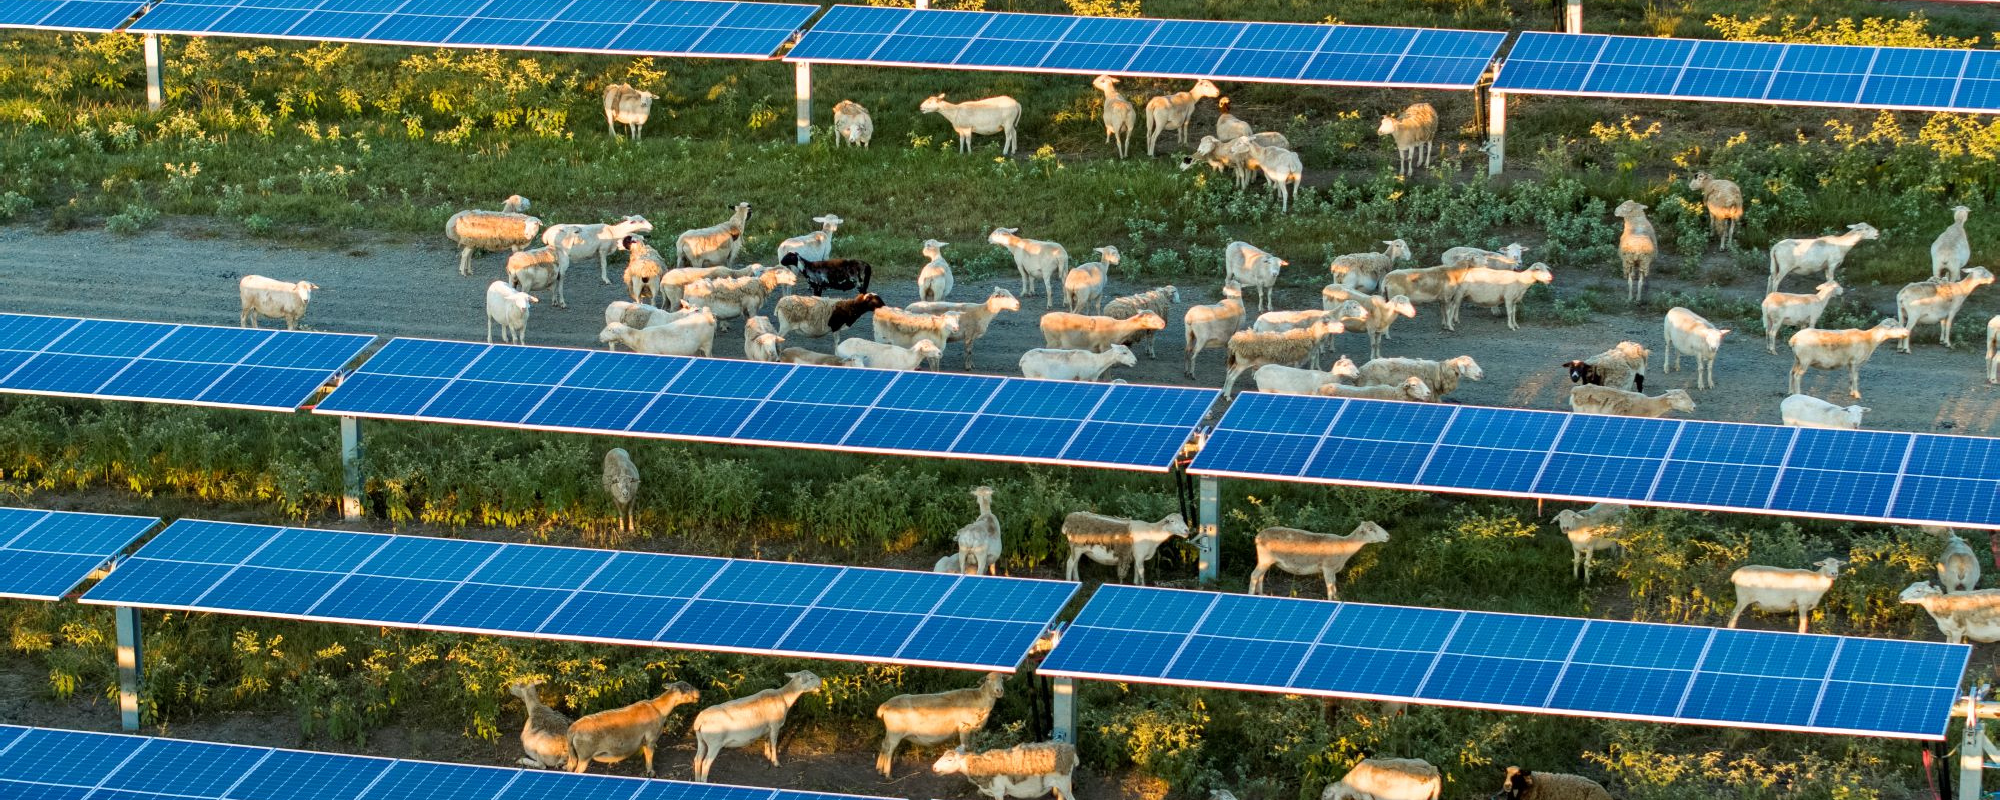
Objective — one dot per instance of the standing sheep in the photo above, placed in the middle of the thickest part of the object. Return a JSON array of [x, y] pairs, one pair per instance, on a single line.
[[934, 281], [1824, 254], [1780, 590], [1083, 286], [544, 731], [745, 720], [624, 105], [1034, 258], [989, 116], [730, 298], [1724, 202], [509, 308], [1382, 312], [1252, 267], [1800, 310], [1589, 531], [1364, 271], [609, 737], [1118, 113], [1414, 131], [1951, 251], [1621, 367], [264, 297], [1227, 126], [1022, 771], [813, 317], [1958, 565], [852, 125], [1937, 301], [979, 542], [1160, 300], [714, 246], [1495, 289], [580, 241], [1116, 541], [1212, 325], [1249, 350], [1691, 333], [815, 246], [973, 318], [1959, 616], [1172, 112], [1301, 552], [1849, 348], [1281, 168], [1993, 350], [621, 481], [490, 231], [935, 718], [1636, 248], [540, 269]]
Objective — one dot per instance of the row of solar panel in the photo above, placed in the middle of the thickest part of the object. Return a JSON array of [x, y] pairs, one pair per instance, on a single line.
[[159, 362], [45, 554]]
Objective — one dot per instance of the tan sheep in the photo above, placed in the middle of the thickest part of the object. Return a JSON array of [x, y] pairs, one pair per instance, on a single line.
[[1441, 376], [927, 719], [1937, 301], [746, 720], [1212, 325], [1780, 590], [1249, 350], [1724, 202], [609, 737], [1173, 112], [1621, 367], [973, 318], [1083, 286], [852, 126], [1065, 331], [539, 269], [1951, 252], [1636, 248], [730, 298], [1606, 400], [1691, 333], [1253, 267], [1494, 288], [544, 731], [1411, 390], [934, 281], [1382, 312], [1022, 771], [989, 116], [1302, 552], [490, 231], [1387, 779], [1849, 348], [1364, 271], [265, 297], [715, 245], [1159, 300], [624, 105], [1414, 130], [1797, 310], [1959, 616], [1993, 349], [1118, 113], [904, 329], [1126, 544], [621, 482], [1033, 258]]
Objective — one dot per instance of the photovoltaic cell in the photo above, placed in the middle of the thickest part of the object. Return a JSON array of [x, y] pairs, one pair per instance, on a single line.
[[806, 610], [1539, 665], [1870, 476], [45, 554], [1119, 426], [67, 15], [200, 365]]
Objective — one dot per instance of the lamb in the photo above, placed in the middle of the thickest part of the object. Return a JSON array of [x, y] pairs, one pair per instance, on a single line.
[[1414, 130], [1494, 288], [1806, 411], [1937, 301], [1280, 167], [1589, 531], [1227, 126], [1118, 113], [1021, 771], [1824, 254], [1034, 258], [1364, 271], [1521, 784], [1441, 376], [1219, 155], [1074, 365], [1690, 333], [1172, 112], [979, 542], [1958, 566], [814, 317], [761, 341], [1117, 541], [1636, 248], [1249, 350], [1387, 779], [1302, 552], [624, 105], [904, 329], [888, 356], [539, 270], [1799, 310], [1411, 390], [745, 720], [1280, 379], [1776, 589], [1724, 202], [1993, 349], [934, 281], [1508, 257], [491, 231], [800, 355], [973, 318], [1951, 251], [597, 240], [621, 481], [1328, 322], [1159, 300], [1589, 399], [989, 116], [544, 731], [716, 245], [815, 246], [1959, 616], [1063, 330], [1621, 367], [1850, 348], [515, 204], [1211, 325], [1423, 284], [609, 737], [264, 297], [730, 298], [689, 334], [1381, 312], [852, 125], [934, 718], [1249, 266], [1083, 286], [510, 309]]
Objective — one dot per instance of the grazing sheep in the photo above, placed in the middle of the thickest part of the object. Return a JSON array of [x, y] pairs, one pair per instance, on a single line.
[[1691, 333], [1508, 257], [1159, 300], [538, 270], [1066, 331], [264, 297], [1958, 566], [1824, 254], [1118, 113], [1494, 288], [1116, 541], [989, 116], [1621, 367], [1034, 258], [813, 317], [624, 105], [491, 231], [1411, 390], [935, 718], [852, 125], [1589, 399], [1724, 202], [1083, 286], [1423, 284], [1021, 771], [1441, 376], [597, 240], [1779, 590], [1521, 784], [1227, 126], [730, 298], [1636, 248], [979, 541], [888, 356], [1302, 552], [1328, 322], [1173, 112], [544, 731], [691, 333], [1381, 312], [934, 281], [1937, 301], [1252, 267], [815, 246], [1364, 271], [1414, 131], [973, 318], [1220, 155], [1959, 616], [1993, 349], [1280, 379], [1798, 310], [509, 308], [1589, 531], [1806, 411], [761, 341], [904, 329], [1281, 167], [1849, 348], [1387, 779], [609, 737], [621, 481], [716, 245], [1951, 251], [1074, 365], [800, 355], [1211, 325], [745, 720], [1249, 350]]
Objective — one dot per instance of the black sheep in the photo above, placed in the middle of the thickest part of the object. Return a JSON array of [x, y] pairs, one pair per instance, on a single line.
[[849, 311], [1584, 373], [833, 273]]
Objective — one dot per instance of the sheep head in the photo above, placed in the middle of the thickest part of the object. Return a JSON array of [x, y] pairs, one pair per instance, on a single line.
[[1401, 306], [1979, 276], [1699, 181], [1123, 356], [1002, 300], [1888, 329], [1517, 784], [829, 222], [527, 691], [305, 290], [927, 349], [1370, 533], [995, 685], [1104, 83], [802, 681], [1351, 309], [1678, 400], [777, 277], [1109, 255], [1399, 250], [1344, 368], [1466, 368], [1629, 209], [1204, 88], [1175, 524], [677, 694], [1002, 236], [1918, 592], [953, 761], [1232, 290], [932, 104], [1149, 321], [934, 247], [1866, 230], [1540, 273], [1960, 213], [614, 332], [1415, 388]]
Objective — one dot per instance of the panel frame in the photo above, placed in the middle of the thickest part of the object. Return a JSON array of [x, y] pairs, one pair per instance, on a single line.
[[57, 6], [6, 545]]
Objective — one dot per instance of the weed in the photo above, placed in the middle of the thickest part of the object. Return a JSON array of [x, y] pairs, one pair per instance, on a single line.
[[135, 219]]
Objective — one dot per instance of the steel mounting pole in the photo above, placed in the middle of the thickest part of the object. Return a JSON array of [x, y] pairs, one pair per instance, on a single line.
[[1208, 538], [802, 79], [130, 661], [352, 480], [155, 97]]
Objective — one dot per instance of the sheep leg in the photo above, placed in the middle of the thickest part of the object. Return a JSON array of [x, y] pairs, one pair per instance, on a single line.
[[1511, 324], [1736, 614], [465, 261], [560, 302], [489, 330], [887, 756], [703, 758], [646, 749], [1803, 614], [604, 267], [1944, 333], [1798, 372], [1332, 585], [1854, 380], [771, 745], [1069, 570], [1257, 576]]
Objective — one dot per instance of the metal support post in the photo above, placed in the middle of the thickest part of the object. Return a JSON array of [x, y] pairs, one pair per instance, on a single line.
[[1573, 17], [154, 97], [350, 467], [1063, 729], [1974, 746], [1208, 539], [1496, 133], [923, 4], [802, 80], [130, 660]]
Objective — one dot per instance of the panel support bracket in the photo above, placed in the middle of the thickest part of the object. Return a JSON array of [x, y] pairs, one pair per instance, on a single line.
[[802, 90], [1208, 537], [130, 661], [155, 98], [1496, 133], [1063, 709], [352, 480]]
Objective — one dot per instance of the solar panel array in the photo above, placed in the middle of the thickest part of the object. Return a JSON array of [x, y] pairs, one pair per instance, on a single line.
[[784, 405], [1335, 55], [639, 27], [807, 610], [45, 764], [157, 362], [1543, 665], [68, 15], [45, 554], [1874, 476], [1938, 79]]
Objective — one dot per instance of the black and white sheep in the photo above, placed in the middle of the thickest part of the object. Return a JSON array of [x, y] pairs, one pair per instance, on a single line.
[[834, 273]]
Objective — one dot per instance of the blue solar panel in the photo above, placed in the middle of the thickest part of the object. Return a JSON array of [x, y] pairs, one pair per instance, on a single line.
[[45, 554], [1544, 665], [1253, 51], [158, 362], [954, 621], [1874, 476], [67, 15], [834, 408], [1849, 77]]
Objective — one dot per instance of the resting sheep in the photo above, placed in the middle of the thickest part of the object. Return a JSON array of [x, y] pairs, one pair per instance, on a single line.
[[1118, 113], [1587, 399], [1381, 313], [609, 737], [1951, 251], [1021, 771], [904, 329], [1065, 331], [1083, 285], [1521, 784], [1691, 333], [538, 270], [1387, 779], [730, 298], [1621, 367], [1116, 541], [1798, 310], [691, 333], [1637, 246], [544, 731], [621, 482], [1778, 590], [1252, 267], [264, 297], [1281, 167], [934, 281], [1806, 411], [1849, 348], [1211, 325], [1414, 131], [888, 356], [989, 116], [1159, 300], [597, 240], [815, 246], [1494, 288], [1821, 255], [1280, 379], [935, 718], [745, 720], [1441, 376], [973, 318], [1411, 390], [1301, 552], [813, 317], [716, 245], [1364, 271], [1249, 350], [852, 125], [800, 355], [1589, 531], [1173, 112], [761, 341], [624, 105], [1958, 565], [979, 541], [1074, 365], [1724, 203], [1959, 616], [491, 231], [1034, 258], [1937, 301]]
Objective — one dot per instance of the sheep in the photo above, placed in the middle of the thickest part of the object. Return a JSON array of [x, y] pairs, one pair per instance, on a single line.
[[1280, 167], [1083, 286], [1937, 301], [989, 116], [973, 318], [1227, 126], [624, 105], [1690, 333], [800, 355], [1799, 310], [544, 731], [1494, 288], [1219, 155], [674, 282], [852, 125], [934, 718], [1074, 365], [1423, 284], [888, 356], [1824, 254], [1850, 348], [1280, 379], [1034, 258], [1508, 257], [1806, 411], [1302, 552], [689, 334], [1021, 771], [716, 245], [1249, 350], [814, 317], [621, 481], [1588, 531], [815, 246], [642, 278], [1211, 325], [1637, 246], [609, 737], [1159, 300], [1959, 616], [1521, 784], [1118, 113], [579, 241], [509, 308], [1381, 313], [1066, 331], [1621, 367], [934, 281], [1172, 112], [1958, 566], [265, 297], [1116, 541], [1364, 271], [1778, 590], [979, 541], [1724, 202], [736, 297], [491, 231], [1951, 251], [1993, 349], [904, 329], [1249, 266], [1587, 399], [761, 341], [637, 316], [514, 204], [1414, 130], [1387, 779], [1441, 376], [1329, 323], [540, 269], [744, 720], [953, 564], [1411, 390]]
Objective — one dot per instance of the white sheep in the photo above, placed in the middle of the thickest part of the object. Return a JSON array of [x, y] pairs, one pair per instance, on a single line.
[[745, 720], [621, 482], [264, 297], [904, 329], [1494, 288], [852, 126], [1158, 300], [1220, 154], [1022, 771], [1952, 250], [1211, 325], [1423, 284], [540, 269], [1692, 334], [1797, 310], [1806, 411], [1780, 590], [1441, 376], [1621, 367], [1065, 331], [973, 318], [1364, 271], [730, 298], [1281, 167], [1281, 379], [1848, 348], [1411, 390], [1302, 552], [1116, 541], [1252, 267], [691, 333], [1118, 112], [491, 231], [1937, 301], [1034, 258], [1249, 350], [1958, 565], [509, 308], [1821, 255], [1083, 285], [1173, 112], [815, 246], [1074, 365], [979, 541], [1959, 616], [1414, 131], [934, 281], [1993, 349], [927, 719], [1724, 202], [1508, 257], [1387, 779], [888, 356], [609, 737], [1381, 312], [637, 316], [599, 240], [800, 355], [1637, 246], [544, 731], [716, 245], [989, 116], [761, 341], [1227, 126], [1588, 399], [1328, 322], [624, 105], [1591, 530]]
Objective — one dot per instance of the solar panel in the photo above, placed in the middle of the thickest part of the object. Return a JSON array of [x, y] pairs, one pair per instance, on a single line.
[[1870, 476], [648, 599], [1512, 662], [1753, 72], [46, 764], [785, 405], [704, 28], [45, 554], [68, 15], [1333, 55], [156, 362]]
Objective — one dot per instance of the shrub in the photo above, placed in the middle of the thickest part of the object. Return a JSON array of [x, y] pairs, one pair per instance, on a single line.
[[135, 219]]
